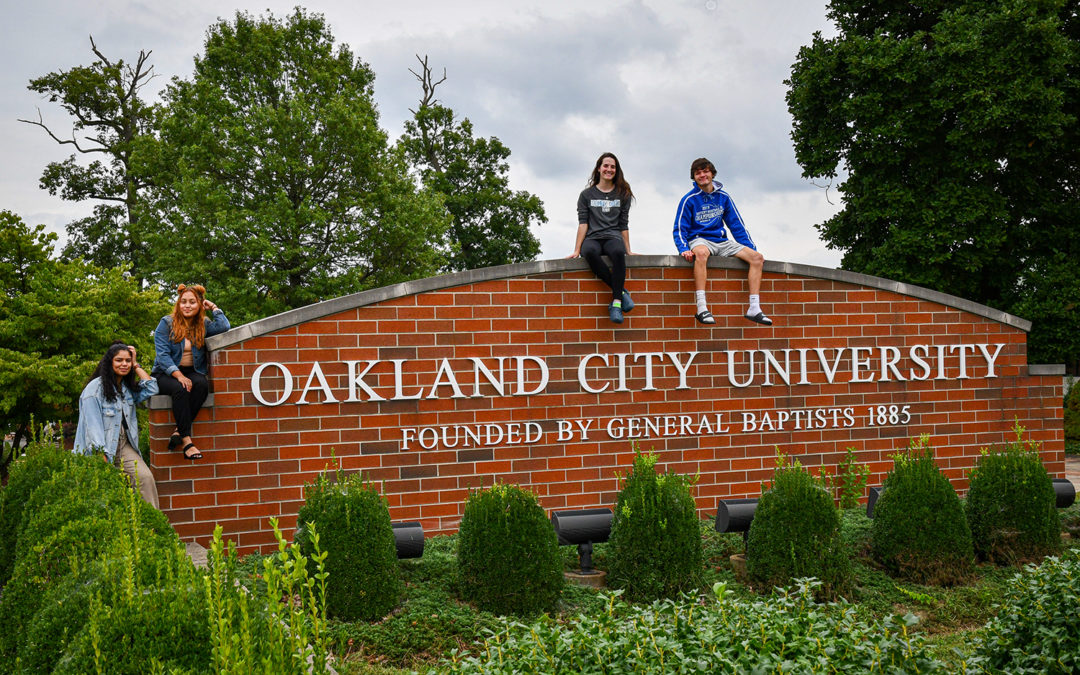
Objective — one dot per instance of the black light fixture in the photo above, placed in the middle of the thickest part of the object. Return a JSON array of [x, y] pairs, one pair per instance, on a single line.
[[875, 494], [1064, 492], [409, 540], [735, 515], [583, 528]]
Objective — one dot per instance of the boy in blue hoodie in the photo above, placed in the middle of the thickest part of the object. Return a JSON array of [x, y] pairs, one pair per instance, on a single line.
[[704, 216]]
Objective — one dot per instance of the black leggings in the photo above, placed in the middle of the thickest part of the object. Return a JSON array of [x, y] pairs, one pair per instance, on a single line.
[[592, 249], [185, 404]]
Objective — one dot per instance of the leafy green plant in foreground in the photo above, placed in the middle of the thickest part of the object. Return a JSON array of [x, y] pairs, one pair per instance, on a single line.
[[786, 632]]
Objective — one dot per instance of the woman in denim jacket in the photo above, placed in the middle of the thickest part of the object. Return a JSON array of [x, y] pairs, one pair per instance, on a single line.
[[107, 420], [180, 365]]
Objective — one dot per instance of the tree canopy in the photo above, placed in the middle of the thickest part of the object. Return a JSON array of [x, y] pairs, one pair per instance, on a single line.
[[275, 183], [954, 126], [110, 120], [490, 222], [56, 320]]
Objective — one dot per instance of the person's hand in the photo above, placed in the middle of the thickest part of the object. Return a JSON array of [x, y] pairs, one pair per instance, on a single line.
[[184, 381], [134, 357], [208, 306], [689, 255], [575, 254]]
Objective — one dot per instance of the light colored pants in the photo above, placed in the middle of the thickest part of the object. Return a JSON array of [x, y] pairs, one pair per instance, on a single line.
[[129, 459]]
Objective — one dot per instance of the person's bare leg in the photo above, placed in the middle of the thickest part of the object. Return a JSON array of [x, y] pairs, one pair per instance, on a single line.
[[753, 278], [701, 270]]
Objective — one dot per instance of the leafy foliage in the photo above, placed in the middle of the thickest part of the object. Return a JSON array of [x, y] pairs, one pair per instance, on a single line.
[[796, 533], [787, 632], [56, 319], [508, 554], [361, 561], [919, 529], [30, 471], [655, 543], [1072, 419], [849, 483], [1034, 629], [110, 121], [275, 178], [1011, 504], [284, 631], [490, 222], [956, 127]]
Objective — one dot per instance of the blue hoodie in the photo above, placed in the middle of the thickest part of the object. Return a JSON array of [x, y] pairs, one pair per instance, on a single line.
[[705, 214]]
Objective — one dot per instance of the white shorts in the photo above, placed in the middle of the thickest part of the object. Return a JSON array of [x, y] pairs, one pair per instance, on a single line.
[[726, 248]]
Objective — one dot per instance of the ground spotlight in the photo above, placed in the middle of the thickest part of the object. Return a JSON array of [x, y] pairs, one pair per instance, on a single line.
[[409, 540], [583, 528], [735, 515]]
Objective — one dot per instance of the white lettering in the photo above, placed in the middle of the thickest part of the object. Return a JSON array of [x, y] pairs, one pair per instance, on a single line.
[[324, 386], [256, 383]]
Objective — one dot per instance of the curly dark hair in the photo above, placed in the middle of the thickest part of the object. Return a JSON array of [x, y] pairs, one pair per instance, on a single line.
[[104, 370]]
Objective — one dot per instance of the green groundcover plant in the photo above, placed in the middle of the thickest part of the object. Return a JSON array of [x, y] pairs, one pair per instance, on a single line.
[[1036, 628], [787, 632]]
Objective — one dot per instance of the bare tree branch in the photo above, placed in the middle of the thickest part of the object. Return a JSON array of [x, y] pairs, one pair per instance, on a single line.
[[426, 82], [74, 141]]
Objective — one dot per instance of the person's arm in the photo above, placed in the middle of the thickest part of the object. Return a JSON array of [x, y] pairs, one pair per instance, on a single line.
[[219, 323], [579, 240], [683, 219], [148, 386], [626, 242], [162, 358], [735, 224], [91, 430]]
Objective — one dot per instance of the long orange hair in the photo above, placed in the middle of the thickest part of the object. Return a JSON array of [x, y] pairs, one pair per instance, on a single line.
[[193, 329]]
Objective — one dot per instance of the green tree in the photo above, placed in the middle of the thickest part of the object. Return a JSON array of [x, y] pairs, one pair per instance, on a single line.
[[490, 223], [56, 320], [110, 122], [276, 184], [955, 124]]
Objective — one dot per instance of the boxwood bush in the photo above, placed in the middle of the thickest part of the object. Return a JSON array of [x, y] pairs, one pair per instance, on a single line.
[[1071, 419], [354, 525], [796, 533], [508, 554], [655, 544], [26, 474], [1011, 505], [919, 531], [1035, 628]]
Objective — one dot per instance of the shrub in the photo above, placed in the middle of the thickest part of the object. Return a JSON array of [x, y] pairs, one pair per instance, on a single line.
[[158, 629], [354, 524], [796, 533], [508, 554], [1011, 505], [281, 631], [849, 483], [44, 564], [1035, 628], [65, 608], [919, 531], [1072, 418], [655, 547], [785, 633], [26, 473]]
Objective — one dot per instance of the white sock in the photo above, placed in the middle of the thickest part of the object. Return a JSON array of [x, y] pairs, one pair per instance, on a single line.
[[699, 296], [755, 306]]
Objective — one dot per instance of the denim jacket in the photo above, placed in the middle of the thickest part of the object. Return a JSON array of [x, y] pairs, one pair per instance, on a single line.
[[101, 421], [169, 353]]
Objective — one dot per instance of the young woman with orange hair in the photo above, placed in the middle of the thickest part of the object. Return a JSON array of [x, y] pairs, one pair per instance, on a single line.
[[180, 366]]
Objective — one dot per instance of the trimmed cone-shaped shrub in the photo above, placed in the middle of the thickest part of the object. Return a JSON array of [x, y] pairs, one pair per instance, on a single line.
[[508, 554], [1011, 505], [354, 529], [796, 533], [919, 531], [655, 549], [26, 474], [1034, 629]]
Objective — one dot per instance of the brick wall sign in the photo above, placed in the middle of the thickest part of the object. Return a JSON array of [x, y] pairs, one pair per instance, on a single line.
[[515, 374]]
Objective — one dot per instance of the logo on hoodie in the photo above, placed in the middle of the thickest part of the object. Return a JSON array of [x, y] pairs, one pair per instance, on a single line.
[[708, 214]]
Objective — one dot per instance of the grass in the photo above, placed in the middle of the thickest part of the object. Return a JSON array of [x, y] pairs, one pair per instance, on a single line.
[[432, 621]]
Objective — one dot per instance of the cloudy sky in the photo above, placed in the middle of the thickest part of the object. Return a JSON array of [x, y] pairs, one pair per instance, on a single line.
[[656, 82]]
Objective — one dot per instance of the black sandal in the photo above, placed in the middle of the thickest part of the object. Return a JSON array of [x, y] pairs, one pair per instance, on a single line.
[[705, 317], [197, 455], [174, 440]]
